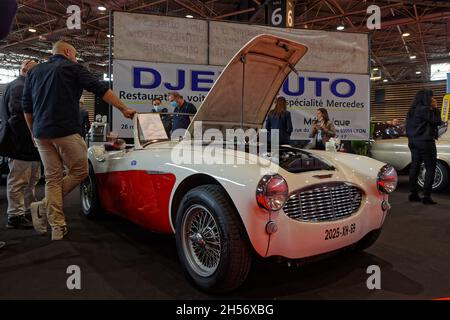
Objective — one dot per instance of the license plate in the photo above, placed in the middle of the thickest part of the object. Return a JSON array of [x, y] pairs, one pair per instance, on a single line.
[[340, 232]]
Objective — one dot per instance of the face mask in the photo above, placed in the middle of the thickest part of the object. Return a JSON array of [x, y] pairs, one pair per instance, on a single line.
[[156, 107], [174, 104]]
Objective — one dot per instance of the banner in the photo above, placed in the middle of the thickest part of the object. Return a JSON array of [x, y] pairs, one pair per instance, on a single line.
[[345, 96], [161, 39]]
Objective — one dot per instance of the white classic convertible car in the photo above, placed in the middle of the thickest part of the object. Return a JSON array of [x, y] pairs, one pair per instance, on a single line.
[[291, 204]]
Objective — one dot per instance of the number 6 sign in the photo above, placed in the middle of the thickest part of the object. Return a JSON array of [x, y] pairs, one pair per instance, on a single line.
[[281, 13]]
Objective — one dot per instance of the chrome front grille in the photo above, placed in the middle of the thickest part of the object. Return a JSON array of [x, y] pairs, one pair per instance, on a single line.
[[324, 202]]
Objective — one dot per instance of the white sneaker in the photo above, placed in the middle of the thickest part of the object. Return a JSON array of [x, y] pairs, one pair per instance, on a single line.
[[59, 233], [39, 217]]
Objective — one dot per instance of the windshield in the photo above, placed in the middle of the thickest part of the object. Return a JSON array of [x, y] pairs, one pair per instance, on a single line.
[[150, 128]]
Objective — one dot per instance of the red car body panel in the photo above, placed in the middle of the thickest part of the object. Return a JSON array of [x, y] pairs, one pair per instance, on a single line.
[[140, 196]]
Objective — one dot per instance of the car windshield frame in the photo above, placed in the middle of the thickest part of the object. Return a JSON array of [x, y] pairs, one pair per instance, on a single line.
[[149, 128]]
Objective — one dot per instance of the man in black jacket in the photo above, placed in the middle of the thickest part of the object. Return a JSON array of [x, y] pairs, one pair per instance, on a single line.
[[51, 106], [422, 124], [24, 162], [8, 9], [182, 110]]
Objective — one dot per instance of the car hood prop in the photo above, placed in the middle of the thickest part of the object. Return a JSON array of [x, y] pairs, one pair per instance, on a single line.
[[245, 90]]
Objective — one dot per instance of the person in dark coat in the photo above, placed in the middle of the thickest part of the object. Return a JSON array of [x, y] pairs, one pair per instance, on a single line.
[[51, 107], [8, 9], [280, 119], [24, 161], [422, 123], [181, 111]]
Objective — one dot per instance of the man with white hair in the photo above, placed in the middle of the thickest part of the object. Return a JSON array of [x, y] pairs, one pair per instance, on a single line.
[[23, 162], [51, 107]]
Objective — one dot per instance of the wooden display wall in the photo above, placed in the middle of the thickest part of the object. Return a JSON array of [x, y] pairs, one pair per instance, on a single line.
[[398, 99]]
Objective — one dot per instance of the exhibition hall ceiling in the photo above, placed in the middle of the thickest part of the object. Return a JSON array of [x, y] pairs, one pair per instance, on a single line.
[[412, 35]]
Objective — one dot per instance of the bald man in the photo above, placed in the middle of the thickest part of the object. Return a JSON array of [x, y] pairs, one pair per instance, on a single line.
[[24, 164], [51, 107]]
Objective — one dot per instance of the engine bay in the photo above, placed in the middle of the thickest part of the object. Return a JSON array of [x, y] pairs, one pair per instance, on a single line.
[[296, 160]]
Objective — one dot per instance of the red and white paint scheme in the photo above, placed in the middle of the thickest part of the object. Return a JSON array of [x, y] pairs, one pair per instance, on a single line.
[[295, 204]]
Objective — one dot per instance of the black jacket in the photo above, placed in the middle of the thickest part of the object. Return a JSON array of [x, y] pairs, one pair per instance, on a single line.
[[15, 138], [283, 124], [52, 93], [182, 121], [422, 123]]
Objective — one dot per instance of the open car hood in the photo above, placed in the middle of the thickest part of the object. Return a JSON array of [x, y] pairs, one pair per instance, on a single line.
[[244, 92]]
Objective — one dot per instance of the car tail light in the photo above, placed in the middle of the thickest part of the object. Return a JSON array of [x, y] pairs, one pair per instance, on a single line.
[[272, 192], [387, 179]]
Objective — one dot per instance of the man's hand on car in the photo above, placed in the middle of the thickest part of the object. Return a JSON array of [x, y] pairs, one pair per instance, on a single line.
[[128, 113]]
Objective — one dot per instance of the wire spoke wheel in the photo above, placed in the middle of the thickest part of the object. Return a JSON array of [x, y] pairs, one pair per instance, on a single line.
[[211, 240], [438, 177], [201, 240], [86, 194]]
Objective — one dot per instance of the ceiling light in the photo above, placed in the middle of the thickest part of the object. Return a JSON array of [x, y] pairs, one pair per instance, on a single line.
[[412, 57], [101, 8], [340, 27], [32, 30], [385, 80], [109, 36], [375, 69], [189, 16], [406, 34], [418, 72]]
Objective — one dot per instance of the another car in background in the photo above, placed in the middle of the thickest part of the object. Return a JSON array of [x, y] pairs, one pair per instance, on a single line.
[[396, 153], [385, 130]]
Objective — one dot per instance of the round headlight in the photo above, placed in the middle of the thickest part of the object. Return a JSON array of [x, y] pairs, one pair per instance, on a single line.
[[387, 179], [272, 192]]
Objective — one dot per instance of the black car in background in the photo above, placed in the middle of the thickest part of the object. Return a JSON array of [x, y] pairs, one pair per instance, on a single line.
[[385, 130]]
